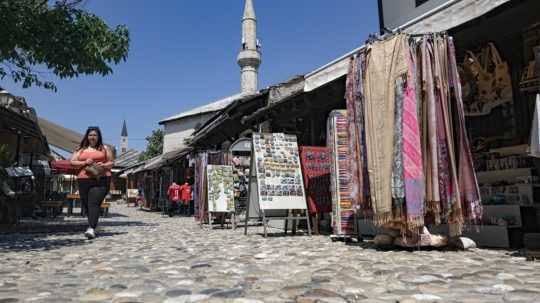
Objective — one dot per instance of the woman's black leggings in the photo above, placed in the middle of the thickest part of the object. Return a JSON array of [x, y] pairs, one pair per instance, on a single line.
[[92, 192]]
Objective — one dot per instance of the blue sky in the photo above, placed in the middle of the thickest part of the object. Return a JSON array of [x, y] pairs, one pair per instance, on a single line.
[[183, 55]]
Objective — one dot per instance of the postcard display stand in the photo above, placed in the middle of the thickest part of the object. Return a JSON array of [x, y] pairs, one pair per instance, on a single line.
[[220, 193], [276, 187]]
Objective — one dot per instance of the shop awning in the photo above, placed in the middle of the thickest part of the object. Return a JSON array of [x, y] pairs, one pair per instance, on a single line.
[[449, 15], [154, 163], [176, 154], [59, 136]]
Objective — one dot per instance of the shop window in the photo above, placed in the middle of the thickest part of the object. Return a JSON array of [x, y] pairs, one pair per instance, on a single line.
[[420, 2]]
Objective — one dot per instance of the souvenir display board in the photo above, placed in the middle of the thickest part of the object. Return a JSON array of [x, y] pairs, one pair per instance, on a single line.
[[316, 172], [279, 176], [220, 188], [343, 215]]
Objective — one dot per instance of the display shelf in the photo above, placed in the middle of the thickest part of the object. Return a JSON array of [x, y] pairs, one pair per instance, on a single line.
[[508, 175], [502, 211]]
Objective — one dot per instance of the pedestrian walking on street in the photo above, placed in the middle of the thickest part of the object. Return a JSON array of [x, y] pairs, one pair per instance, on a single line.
[[94, 161], [174, 198]]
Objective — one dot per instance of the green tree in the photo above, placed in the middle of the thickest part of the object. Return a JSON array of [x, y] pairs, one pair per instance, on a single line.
[[59, 36], [154, 146]]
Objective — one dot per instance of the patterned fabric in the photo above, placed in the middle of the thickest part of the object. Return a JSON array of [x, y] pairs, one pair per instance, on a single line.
[[405, 103], [430, 149], [398, 184], [412, 151], [316, 172], [468, 183], [360, 188], [343, 214], [199, 193]]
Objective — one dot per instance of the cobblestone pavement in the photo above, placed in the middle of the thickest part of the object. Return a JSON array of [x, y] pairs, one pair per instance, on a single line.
[[143, 257]]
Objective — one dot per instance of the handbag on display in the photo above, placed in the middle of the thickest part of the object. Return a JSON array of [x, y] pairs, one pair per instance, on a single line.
[[485, 79], [503, 82]]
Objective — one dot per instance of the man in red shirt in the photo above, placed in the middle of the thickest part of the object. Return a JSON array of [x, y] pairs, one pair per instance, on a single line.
[[186, 197], [174, 197]]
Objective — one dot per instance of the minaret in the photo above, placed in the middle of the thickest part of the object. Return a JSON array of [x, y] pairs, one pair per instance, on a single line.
[[124, 139], [249, 57]]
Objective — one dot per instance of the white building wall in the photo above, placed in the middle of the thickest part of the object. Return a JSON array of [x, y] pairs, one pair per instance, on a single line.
[[175, 132], [397, 13]]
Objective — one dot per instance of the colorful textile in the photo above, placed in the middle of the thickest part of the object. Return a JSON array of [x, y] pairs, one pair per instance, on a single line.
[[343, 214], [360, 188], [468, 183], [316, 172], [385, 62], [412, 152], [174, 192], [431, 164], [398, 184], [186, 192], [405, 101], [201, 161]]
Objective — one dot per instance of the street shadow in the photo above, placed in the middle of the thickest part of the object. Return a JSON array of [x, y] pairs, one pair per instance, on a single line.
[[39, 242], [65, 227]]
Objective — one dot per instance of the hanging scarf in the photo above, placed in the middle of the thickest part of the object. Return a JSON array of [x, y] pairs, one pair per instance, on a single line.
[[412, 151], [385, 62], [357, 143], [398, 185], [433, 198], [468, 183]]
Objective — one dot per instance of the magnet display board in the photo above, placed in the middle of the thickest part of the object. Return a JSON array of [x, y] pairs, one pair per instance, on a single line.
[[220, 188], [279, 175]]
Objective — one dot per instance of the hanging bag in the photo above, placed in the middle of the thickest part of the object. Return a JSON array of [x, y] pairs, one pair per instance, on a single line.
[[485, 79], [483, 83], [503, 82]]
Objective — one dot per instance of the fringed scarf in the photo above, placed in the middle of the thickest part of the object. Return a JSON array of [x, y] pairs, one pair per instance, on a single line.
[[468, 183], [354, 96]]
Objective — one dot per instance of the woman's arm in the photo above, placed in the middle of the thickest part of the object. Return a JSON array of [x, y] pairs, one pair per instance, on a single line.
[[110, 159], [75, 160]]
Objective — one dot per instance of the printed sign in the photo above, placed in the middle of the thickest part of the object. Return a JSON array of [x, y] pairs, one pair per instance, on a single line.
[[279, 176], [220, 188]]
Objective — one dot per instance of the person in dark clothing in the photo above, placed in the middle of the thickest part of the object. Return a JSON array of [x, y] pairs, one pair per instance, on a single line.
[[94, 161]]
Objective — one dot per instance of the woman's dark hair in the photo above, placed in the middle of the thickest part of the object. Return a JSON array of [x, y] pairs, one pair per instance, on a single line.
[[85, 143]]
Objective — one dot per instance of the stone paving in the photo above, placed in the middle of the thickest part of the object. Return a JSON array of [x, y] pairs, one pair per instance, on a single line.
[[143, 257]]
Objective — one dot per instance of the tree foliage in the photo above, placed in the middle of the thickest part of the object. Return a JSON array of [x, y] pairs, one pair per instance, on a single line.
[[59, 36], [154, 145]]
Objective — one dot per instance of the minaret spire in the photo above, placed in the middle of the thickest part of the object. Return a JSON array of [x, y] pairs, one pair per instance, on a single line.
[[249, 57], [249, 11]]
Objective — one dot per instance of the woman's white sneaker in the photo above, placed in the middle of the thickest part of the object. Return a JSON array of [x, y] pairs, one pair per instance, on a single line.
[[90, 233]]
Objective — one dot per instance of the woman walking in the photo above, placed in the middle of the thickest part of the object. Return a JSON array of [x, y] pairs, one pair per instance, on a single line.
[[94, 161]]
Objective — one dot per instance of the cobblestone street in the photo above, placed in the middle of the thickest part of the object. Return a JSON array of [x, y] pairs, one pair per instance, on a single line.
[[144, 257]]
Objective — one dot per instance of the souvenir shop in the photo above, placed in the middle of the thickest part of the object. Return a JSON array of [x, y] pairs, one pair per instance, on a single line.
[[442, 147], [499, 59]]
